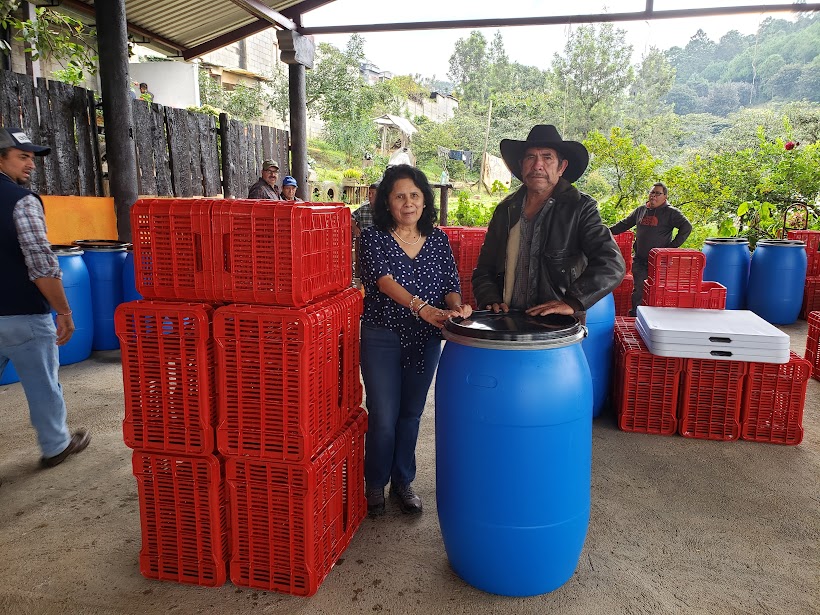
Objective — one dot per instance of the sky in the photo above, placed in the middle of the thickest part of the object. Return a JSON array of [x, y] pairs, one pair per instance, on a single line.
[[428, 52]]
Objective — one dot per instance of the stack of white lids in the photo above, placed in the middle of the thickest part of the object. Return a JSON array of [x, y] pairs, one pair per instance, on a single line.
[[730, 335]]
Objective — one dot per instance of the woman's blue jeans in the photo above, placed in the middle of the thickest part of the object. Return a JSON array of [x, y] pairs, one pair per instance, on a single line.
[[395, 397]]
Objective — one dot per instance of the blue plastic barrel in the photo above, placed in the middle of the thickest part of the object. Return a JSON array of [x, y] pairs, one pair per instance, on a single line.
[[513, 450], [129, 285], [777, 278], [9, 375], [77, 284], [727, 262], [598, 349], [104, 259]]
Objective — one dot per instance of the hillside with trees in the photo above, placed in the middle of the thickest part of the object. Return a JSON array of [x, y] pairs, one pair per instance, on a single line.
[[731, 125]]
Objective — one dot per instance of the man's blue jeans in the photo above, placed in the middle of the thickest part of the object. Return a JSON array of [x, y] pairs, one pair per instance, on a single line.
[[395, 397], [29, 341]]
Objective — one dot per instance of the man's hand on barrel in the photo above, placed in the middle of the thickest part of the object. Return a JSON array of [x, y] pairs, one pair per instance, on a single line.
[[551, 307], [498, 307]]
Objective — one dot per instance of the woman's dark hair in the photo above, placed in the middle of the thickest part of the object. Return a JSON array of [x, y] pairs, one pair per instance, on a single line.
[[383, 220]]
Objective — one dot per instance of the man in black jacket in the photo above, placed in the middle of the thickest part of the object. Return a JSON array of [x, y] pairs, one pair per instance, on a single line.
[[547, 250], [654, 223], [30, 287]]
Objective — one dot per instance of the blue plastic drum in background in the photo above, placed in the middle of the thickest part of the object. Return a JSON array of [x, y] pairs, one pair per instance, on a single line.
[[129, 285], [598, 349], [727, 262], [777, 278], [77, 284], [9, 375], [104, 259], [513, 450]]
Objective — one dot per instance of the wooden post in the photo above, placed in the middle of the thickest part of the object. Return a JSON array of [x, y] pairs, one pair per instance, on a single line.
[[445, 195], [112, 42], [486, 143], [297, 52]]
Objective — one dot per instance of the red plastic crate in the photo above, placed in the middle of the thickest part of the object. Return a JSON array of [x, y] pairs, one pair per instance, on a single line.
[[676, 268], [711, 399], [813, 344], [469, 248], [454, 235], [623, 295], [711, 295], [184, 518], [812, 239], [773, 401], [811, 297], [172, 248], [291, 522], [625, 241], [288, 378], [169, 376], [276, 253], [645, 386]]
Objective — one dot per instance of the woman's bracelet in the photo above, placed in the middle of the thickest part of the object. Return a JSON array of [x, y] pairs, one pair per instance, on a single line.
[[68, 313]]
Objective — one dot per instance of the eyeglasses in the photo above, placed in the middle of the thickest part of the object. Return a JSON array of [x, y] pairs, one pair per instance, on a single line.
[[656, 194]]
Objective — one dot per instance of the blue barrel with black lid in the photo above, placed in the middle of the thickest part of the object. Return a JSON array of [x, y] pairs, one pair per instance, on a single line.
[[727, 262], [77, 285], [104, 259], [513, 450], [598, 346], [129, 284], [777, 278]]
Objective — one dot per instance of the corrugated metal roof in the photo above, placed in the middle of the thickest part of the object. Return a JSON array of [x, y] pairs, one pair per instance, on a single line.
[[189, 23]]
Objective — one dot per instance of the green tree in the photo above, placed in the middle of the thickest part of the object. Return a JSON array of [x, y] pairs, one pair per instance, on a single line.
[[593, 74], [653, 81], [629, 168], [468, 66]]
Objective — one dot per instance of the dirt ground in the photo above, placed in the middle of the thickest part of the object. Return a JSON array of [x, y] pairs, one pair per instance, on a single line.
[[678, 526]]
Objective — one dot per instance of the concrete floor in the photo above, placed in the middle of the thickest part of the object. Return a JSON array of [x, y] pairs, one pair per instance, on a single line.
[[678, 526]]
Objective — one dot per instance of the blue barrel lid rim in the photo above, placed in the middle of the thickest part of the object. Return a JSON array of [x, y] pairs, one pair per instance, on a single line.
[[514, 330], [782, 243], [65, 249], [716, 241], [101, 245]]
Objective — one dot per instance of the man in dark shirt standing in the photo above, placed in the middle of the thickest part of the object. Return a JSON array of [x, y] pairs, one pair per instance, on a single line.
[[266, 187], [654, 223], [30, 287]]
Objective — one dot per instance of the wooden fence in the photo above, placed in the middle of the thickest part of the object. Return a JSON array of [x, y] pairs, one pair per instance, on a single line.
[[179, 153]]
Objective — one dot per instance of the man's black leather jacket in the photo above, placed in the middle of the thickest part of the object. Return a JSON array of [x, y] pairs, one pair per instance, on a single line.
[[573, 259]]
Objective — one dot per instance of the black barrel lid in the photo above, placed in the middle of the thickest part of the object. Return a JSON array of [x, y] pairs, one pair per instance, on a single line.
[[485, 328], [717, 241], [782, 243], [101, 244], [64, 248]]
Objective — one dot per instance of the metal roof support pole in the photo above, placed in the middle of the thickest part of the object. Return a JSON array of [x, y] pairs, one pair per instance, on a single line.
[[112, 40], [297, 52]]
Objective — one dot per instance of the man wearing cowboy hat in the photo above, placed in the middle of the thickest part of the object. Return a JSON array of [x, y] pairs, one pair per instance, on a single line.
[[546, 250], [31, 287]]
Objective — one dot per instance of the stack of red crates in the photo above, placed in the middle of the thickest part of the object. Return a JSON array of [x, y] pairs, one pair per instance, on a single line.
[[813, 344], [466, 244], [228, 403], [623, 293], [675, 279], [811, 292], [706, 398]]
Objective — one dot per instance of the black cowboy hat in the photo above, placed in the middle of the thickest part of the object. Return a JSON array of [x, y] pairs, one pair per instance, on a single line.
[[546, 135]]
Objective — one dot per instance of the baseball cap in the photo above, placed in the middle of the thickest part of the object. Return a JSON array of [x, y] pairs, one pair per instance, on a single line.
[[15, 137], [289, 181], [269, 163]]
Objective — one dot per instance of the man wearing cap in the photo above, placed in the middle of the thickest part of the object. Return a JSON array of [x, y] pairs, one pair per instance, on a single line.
[[30, 287], [546, 250], [289, 187], [266, 187]]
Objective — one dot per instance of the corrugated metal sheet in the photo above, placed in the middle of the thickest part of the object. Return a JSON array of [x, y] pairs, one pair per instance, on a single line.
[[191, 22]]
